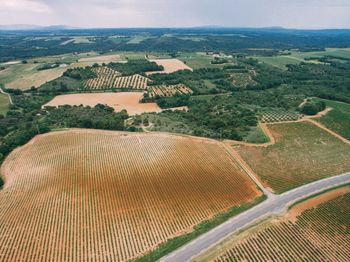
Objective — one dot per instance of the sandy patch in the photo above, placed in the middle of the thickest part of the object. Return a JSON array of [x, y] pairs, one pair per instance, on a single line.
[[170, 66], [119, 101], [12, 63]]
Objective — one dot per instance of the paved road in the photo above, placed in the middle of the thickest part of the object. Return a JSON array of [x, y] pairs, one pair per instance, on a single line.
[[275, 204]]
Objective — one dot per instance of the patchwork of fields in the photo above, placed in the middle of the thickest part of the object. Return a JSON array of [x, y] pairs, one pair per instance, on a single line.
[[317, 234], [105, 195], [302, 153]]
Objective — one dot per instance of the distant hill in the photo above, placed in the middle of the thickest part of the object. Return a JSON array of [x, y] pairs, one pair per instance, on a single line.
[[34, 27]]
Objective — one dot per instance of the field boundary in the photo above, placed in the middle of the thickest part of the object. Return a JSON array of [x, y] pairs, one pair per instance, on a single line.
[[7, 94]]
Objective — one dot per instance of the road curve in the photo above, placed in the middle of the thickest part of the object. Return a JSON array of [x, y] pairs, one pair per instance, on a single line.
[[275, 204]]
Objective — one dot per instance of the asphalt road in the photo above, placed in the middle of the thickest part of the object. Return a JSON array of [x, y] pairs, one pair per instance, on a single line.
[[275, 204]]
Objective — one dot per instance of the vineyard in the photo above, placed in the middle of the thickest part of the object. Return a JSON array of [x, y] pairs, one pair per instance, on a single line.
[[82, 195], [279, 115], [303, 153], [108, 78], [242, 79], [168, 91], [318, 234]]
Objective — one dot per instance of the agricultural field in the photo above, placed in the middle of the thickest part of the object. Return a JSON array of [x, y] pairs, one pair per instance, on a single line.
[[4, 104], [130, 101], [338, 120], [198, 60], [168, 91], [101, 58], [302, 153], [279, 115], [315, 230], [280, 61], [24, 76], [297, 57], [101, 195], [242, 79], [79, 40], [108, 78], [170, 66]]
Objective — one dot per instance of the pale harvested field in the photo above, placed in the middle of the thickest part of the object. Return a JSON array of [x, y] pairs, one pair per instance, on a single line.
[[119, 101], [101, 59], [36, 78], [170, 66], [11, 63], [87, 195]]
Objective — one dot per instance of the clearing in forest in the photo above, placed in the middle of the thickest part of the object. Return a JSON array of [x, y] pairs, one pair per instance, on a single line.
[[319, 232], [170, 66], [83, 195], [130, 101], [302, 153]]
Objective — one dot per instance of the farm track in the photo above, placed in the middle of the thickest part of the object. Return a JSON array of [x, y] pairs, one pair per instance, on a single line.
[[275, 204], [9, 96], [272, 141]]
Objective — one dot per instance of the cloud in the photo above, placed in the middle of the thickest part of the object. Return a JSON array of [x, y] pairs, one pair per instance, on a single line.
[[28, 5], [178, 13]]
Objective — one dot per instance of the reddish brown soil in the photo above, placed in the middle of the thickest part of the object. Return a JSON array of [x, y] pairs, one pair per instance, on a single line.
[[81, 195]]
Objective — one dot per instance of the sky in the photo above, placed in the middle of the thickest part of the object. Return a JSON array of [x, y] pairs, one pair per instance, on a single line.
[[312, 14]]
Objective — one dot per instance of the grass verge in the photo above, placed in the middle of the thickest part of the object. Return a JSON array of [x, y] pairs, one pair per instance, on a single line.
[[317, 194], [200, 229]]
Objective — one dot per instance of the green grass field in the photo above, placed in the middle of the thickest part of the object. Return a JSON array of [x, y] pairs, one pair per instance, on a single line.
[[198, 60], [303, 153], [4, 104], [298, 57], [338, 120], [279, 61]]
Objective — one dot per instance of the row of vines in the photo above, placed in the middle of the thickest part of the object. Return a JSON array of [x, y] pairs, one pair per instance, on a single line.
[[168, 91], [104, 196], [108, 78], [320, 234]]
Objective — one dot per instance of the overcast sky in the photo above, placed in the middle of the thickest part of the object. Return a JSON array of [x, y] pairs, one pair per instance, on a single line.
[[178, 13]]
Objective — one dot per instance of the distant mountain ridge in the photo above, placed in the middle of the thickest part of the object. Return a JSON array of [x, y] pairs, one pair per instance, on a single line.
[[35, 27]]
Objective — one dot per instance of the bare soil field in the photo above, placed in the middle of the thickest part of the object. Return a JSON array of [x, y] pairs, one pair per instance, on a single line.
[[130, 101], [302, 153], [170, 66], [320, 232], [80, 195]]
